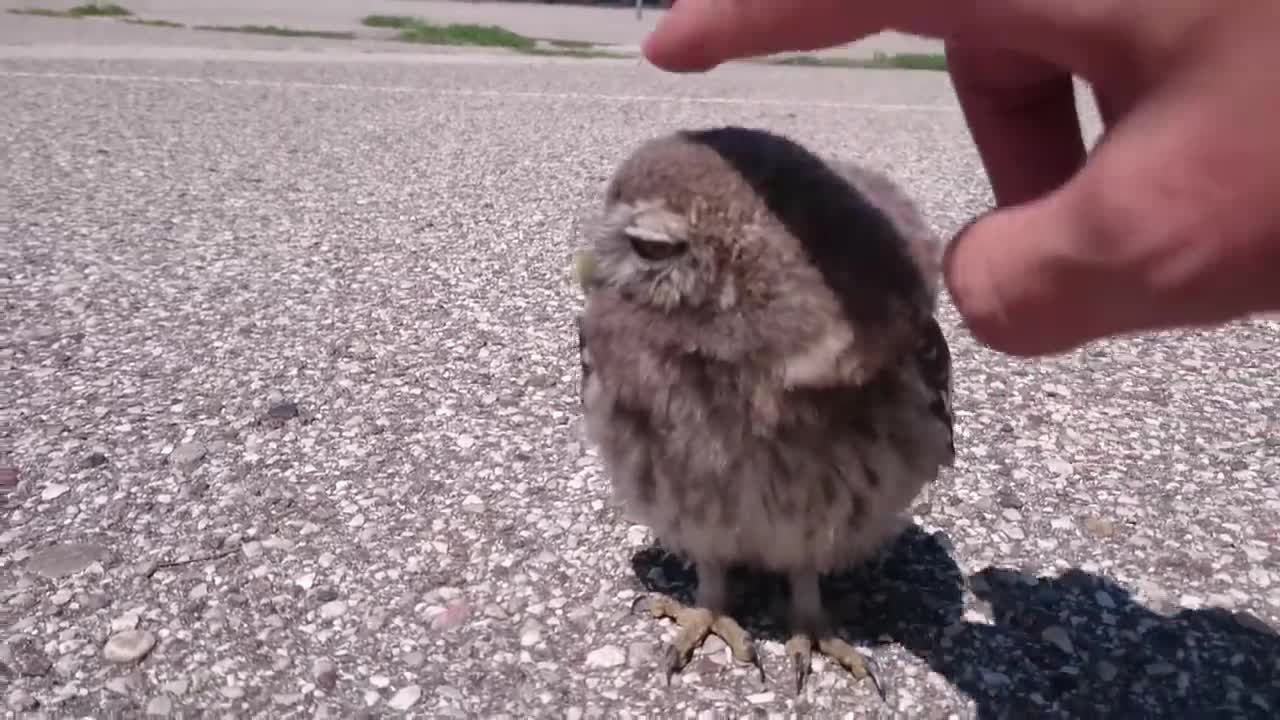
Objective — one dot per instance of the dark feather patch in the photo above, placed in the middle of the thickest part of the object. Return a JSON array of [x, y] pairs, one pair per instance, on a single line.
[[584, 360], [934, 359], [851, 242]]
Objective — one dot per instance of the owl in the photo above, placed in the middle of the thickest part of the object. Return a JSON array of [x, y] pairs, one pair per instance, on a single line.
[[763, 375]]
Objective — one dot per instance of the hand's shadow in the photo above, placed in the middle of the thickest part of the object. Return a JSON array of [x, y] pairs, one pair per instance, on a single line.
[[1077, 645]]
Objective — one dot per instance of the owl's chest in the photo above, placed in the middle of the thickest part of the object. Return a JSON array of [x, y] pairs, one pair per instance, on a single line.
[[802, 489]]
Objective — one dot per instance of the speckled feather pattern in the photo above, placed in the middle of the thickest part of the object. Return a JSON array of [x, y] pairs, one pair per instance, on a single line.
[[705, 441]]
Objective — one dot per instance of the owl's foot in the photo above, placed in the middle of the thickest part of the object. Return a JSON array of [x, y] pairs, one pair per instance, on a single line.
[[799, 649], [696, 624]]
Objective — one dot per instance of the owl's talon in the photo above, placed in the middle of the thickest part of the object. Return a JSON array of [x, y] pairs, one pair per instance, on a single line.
[[695, 625], [644, 600], [873, 672], [799, 649], [755, 660], [739, 642], [674, 662]]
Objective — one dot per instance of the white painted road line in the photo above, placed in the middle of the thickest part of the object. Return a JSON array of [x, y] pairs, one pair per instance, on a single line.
[[507, 94]]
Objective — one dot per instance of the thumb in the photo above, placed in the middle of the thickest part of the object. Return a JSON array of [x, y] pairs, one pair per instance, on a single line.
[[1110, 251], [1010, 274]]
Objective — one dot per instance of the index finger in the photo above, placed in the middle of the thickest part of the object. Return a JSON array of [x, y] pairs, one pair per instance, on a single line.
[[697, 35]]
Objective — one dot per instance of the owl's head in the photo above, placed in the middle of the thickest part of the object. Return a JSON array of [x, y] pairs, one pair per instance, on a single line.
[[745, 242]]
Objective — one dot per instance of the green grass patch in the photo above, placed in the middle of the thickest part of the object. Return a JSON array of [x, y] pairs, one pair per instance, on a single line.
[[417, 30], [465, 34], [39, 12], [278, 31], [571, 44], [911, 61], [388, 21], [98, 10], [152, 23], [79, 11], [574, 52], [899, 61]]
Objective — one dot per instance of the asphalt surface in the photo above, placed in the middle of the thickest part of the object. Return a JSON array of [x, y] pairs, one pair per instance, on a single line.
[[290, 423]]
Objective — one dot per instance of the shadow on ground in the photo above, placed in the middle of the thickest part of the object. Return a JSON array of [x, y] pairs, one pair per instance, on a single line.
[[1074, 646]]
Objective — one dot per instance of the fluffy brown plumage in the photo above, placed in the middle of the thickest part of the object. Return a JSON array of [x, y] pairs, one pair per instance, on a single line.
[[762, 371]]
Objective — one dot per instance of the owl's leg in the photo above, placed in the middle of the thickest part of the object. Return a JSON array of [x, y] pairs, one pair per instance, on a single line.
[[810, 623], [708, 617]]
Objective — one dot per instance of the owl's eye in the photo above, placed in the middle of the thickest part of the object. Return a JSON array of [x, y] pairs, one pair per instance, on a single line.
[[654, 245], [657, 250]]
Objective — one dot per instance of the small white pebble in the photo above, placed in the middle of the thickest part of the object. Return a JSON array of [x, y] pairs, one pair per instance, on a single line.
[[405, 697], [606, 656]]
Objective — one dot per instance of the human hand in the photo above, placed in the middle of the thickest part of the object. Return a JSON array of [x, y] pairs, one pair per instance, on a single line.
[[1172, 221]]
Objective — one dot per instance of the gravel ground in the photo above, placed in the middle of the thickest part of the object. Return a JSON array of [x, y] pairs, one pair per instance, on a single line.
[[290, 425]]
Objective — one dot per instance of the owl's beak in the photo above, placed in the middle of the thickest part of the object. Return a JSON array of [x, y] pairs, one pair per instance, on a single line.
[[582, 267]]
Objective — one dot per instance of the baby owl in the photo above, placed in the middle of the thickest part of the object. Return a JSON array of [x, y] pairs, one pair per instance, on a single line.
[[762, 371]]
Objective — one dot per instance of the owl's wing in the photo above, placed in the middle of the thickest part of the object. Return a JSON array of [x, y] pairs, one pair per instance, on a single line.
[[584, 360], [933, 358]]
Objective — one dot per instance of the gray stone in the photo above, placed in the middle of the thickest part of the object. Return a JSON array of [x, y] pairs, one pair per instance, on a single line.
[[375, 620], [280, 407], [530, 634], [333, 609], [641, 654], [129, 646], [93, 460], [325, 674], [188, 454], [128, 621], [28, 658], [1101, 528], [67, 665], [607, 656], [53, 491], [160, 706], [1057, 635], [20, 700], [177, 688], [1059, 467], [58, 561]]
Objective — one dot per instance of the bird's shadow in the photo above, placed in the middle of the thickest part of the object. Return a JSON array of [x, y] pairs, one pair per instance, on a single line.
[[1075, 645]]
